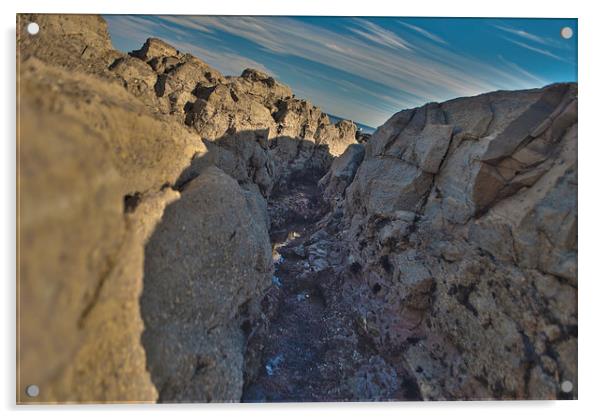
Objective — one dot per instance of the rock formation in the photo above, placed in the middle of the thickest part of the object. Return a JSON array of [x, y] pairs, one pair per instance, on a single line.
[[189, 236], [458, 239], [118, 157]]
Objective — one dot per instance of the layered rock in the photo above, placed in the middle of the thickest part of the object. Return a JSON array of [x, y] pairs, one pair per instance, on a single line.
[[460, 231]]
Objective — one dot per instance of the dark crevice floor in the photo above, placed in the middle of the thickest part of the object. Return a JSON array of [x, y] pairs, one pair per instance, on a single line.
[[309, 346]]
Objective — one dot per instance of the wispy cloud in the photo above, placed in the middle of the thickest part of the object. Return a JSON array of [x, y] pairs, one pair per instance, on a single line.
[[227, 62], [380, 36], [524, 34], [368, 57], [534, 49], [424, 32], [526, 74], [186, 22]]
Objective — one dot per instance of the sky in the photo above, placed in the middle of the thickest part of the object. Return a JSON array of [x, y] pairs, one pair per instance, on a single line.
[[366, 69]]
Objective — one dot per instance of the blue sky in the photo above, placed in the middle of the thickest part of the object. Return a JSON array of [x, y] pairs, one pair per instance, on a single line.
[[366, 69]]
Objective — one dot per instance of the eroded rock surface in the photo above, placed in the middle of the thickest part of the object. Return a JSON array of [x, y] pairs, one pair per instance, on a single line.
[[207, 263]]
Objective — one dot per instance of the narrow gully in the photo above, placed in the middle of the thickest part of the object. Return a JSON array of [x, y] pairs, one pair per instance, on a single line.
[[308, 347]]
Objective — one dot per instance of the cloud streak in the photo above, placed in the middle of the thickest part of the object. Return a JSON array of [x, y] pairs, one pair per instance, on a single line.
[[534, 49], [380, 36], [523, 34], [366, 56], [424, 32]]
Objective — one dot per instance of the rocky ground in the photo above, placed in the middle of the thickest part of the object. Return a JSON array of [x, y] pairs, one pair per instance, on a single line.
[[310, 346], [189, 236]]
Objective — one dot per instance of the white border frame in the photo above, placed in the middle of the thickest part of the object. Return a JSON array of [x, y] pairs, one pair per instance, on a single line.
[[590, 154]]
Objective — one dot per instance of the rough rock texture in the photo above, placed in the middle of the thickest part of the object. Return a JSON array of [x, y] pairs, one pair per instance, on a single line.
[[225, 110], [85, 154], [112, 145], [341, 173], [75, 42], [460, 230], [208, 260]]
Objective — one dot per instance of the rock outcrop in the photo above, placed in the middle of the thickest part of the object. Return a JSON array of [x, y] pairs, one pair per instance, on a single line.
[[223, 110], [91, 167], [460, 229], [129, 233]]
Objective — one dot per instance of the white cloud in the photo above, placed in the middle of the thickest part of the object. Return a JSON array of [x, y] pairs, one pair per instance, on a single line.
[[524, 34], [528, 75], [379, 35], [424, 32], [227, 62], [187, 22], [534, 49]]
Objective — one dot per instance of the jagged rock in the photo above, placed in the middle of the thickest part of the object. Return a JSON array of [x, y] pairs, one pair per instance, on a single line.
[[299, 118], [81, 256], [75, 42], [124, 116], [263, 87], [137, 76], [384, 185], [337, 137], [155, 48], [227, 111], [218, 111], [443, 268]]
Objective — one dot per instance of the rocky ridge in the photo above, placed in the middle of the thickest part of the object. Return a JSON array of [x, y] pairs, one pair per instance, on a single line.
[[189, 236]]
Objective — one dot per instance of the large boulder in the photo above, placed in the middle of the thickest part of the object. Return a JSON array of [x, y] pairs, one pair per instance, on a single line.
[[88, 203], [464, 215], [206, 264]]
